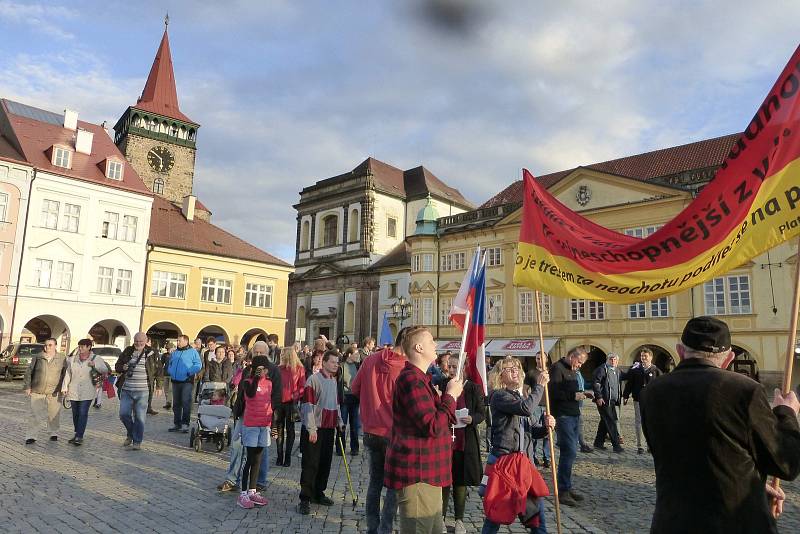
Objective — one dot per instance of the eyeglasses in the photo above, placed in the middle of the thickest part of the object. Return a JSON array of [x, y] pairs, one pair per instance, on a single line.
[[511, 370]]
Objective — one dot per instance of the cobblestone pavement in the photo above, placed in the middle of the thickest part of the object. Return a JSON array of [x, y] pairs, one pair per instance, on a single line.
[[167, 487]]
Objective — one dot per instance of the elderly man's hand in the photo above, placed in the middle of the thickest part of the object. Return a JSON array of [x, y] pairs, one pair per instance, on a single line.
[[778, 496], [790, 400]]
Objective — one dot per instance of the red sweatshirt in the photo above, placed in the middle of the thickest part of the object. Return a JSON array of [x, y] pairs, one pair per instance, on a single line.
[[293, 382], [374, 386]]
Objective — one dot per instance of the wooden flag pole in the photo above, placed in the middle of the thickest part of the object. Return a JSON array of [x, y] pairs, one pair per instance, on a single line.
[[543, 365], [787, 371]]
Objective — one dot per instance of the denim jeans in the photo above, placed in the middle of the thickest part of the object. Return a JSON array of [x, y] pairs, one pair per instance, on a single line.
[[538, 414], [132, 412], [80, 415], [494, 528], [567, 434], [181, 402], [349, 410], [234, 474], [378, 521]]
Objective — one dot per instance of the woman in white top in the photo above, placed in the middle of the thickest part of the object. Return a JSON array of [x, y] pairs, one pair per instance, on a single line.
[[82, 379]]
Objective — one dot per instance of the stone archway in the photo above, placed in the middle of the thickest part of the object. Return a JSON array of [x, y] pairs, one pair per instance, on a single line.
[[251, 336], [42, 327], [162, 332], [110, 332], [744, 363], [596, 358], [215, 331]]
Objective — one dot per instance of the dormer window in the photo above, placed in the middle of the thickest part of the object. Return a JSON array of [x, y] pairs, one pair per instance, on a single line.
[[62, 157], [114, 169]]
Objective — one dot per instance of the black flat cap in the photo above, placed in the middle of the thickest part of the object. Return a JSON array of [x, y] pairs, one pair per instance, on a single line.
[[707, 334]]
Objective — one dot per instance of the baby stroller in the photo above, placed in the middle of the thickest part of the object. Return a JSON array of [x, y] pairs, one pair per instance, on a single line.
[[213, 417]]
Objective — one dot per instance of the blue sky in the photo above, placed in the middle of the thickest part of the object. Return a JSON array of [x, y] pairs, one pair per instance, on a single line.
[[291, 92]]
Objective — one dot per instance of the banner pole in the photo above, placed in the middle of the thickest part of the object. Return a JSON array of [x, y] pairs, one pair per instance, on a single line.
[[787, 371], [543, 365], [461, 353]]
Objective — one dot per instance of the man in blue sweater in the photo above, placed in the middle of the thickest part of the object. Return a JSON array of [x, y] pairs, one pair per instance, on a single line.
[[183, 365]]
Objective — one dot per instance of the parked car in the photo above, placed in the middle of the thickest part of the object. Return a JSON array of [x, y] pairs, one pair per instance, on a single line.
[[109, 353], [14, 360]]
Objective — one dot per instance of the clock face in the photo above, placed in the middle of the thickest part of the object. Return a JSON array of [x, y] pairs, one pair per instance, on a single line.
[[160, 159]]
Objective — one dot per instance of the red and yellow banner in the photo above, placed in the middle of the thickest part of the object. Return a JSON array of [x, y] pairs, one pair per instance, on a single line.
[[751, 205]]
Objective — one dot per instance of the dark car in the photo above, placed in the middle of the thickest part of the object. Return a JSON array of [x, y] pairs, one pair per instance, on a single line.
[[15, 358]]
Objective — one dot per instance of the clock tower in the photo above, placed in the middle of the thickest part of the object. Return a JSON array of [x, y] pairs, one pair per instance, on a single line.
[[155, 136]]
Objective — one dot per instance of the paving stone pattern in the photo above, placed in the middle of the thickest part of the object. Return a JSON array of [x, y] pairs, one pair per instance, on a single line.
[[169, 488]]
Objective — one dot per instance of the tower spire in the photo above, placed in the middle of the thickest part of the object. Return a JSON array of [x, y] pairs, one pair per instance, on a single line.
[[160, 94]]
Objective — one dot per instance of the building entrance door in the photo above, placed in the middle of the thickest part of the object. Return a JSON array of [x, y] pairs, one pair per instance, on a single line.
[[325, 331]]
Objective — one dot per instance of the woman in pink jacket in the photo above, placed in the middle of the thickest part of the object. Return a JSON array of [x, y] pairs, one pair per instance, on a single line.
[[256, 392], [293, 381]]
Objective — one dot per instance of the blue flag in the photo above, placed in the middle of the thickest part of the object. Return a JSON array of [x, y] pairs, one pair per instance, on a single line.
[[386, 333]]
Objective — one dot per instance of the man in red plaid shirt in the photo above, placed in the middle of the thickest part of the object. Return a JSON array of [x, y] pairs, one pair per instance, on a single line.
[[418, 460]]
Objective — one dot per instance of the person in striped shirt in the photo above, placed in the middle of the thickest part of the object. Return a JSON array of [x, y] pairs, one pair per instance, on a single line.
[[321, 417], [133, 391]]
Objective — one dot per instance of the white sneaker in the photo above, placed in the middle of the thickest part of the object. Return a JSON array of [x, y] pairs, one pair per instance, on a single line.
[[460, 528]]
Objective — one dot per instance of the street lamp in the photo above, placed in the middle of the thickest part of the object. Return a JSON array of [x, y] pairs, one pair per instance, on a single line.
[[401, 310]]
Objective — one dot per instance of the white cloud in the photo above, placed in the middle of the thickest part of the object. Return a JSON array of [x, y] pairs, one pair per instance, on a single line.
[[42, 18]]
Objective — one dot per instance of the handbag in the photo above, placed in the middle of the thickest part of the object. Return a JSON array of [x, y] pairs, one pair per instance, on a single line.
[[95, 375]]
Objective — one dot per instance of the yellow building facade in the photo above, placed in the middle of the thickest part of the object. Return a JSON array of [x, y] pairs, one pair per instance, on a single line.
[[247, 315], [754, 299]]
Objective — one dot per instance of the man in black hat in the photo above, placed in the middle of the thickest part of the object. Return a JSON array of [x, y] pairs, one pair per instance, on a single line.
[[715, 439]]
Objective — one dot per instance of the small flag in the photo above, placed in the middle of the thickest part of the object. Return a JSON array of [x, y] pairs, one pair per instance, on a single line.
[[386, 332]]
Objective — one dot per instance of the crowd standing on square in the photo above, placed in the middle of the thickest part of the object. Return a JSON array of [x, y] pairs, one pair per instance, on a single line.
[[421, 425]]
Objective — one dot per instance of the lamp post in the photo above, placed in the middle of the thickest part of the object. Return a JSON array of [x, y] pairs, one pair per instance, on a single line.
[[401, 310]]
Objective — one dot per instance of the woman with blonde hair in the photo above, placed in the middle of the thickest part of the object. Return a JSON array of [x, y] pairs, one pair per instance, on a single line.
[[293, 381]]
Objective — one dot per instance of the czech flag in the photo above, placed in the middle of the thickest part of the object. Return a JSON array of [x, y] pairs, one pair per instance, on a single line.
[[472, 297]]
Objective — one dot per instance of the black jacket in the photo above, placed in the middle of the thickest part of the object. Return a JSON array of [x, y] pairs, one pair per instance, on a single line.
[[714, 440], [473, 463], [219, 371], [562, 387], [150, 358], [507, 408], [602, 387], [636, 379]]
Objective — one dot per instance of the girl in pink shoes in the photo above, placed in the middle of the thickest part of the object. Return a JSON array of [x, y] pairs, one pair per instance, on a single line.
[[255, 390]]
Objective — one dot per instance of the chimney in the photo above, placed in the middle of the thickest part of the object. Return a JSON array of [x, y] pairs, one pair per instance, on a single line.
[[70, 119], [188, 207], [83, 142]]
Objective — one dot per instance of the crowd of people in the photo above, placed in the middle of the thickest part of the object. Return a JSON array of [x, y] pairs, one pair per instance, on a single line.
[[422, 423]]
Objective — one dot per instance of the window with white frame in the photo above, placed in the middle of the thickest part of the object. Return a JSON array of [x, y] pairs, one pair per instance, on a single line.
[[427, 310], [110, 225], [170, 285], [62, 157], [728, 295], [71, 218], [453, 262], [330, 231], [3, 206], [42, 272], [391, 227], [258, 295], [216, 290], [128, 230], [494, 257], [652, 308], [527, 306], [114, 170], [63, 275], [158, 186], [587, 310], [49, 218], [422, 262], [105, 279], [415, 311], [642, 231], [123, 285], [494, 308], [444, 311]]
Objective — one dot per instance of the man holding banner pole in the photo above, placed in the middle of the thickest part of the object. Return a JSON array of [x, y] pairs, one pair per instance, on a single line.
[[715, 438]]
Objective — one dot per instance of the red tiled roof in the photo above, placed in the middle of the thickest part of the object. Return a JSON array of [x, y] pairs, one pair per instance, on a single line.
[[169, 228], [37, 130], [8, 152], [160, 94], [413, 183], [642, 167]]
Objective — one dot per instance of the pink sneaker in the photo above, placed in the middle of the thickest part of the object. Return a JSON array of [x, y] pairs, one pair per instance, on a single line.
[[257, 499], [245, 502]]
